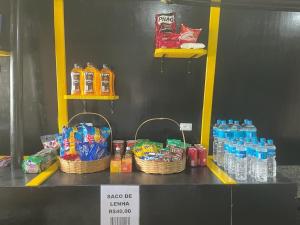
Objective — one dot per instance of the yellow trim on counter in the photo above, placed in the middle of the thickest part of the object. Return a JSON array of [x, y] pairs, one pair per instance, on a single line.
[[43, 176], [60, 55], [219, 173], [4, 53], [210, 74]]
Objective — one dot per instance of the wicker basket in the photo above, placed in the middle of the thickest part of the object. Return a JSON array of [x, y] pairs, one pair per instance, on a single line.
[[158, 167], [80, 167]]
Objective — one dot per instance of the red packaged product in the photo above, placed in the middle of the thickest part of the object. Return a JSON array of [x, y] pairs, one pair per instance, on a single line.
[[188, 35], [193, 156], [170, 40], [165, 24]]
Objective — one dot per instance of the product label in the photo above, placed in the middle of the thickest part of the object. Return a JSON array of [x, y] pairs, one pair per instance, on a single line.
[[75, 76], [271, 153], [240, 154], [166, 19], [105, 83], [88, 82], [120, 205], [262, 155]]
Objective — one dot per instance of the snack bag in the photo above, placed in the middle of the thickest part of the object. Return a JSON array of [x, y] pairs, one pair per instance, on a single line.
[[39, 161], [50, 141], [188, 35], [165, 30]]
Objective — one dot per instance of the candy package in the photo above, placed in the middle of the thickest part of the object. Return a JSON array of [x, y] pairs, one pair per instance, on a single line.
[[5, 161], [188, 35], [85, 142], [50, 141], [40, 161], [154, 151]]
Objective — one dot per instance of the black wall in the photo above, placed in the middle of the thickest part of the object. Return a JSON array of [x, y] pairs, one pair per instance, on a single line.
[[256, 77]]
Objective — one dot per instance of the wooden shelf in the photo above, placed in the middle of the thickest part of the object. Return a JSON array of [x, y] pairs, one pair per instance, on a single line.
[[179, 53], [4, 53], [91, 97]]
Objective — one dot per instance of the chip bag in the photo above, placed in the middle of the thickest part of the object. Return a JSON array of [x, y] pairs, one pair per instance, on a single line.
[[188, 35]]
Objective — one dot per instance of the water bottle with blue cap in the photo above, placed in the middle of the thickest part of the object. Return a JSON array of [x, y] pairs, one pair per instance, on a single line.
[[215, 140], [241, 162], [261, 164], [271, 158], [222, 131]]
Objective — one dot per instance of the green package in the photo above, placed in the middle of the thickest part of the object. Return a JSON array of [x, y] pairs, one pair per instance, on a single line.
[[40, 161]]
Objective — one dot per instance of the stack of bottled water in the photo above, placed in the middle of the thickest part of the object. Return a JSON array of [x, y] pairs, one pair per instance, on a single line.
[[241, 154]]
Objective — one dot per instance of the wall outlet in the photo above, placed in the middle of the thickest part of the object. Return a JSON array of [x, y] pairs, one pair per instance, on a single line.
[[186, 126]]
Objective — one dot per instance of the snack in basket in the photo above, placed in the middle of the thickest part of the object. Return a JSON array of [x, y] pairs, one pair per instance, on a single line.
[[85, 142], [154, 151], [39, 161]]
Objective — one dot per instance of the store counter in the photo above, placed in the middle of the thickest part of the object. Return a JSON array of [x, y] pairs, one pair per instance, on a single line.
[[195, 196]]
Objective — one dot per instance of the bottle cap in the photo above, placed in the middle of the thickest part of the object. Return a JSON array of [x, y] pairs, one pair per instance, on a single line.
[[249, 122], [245, 121], [236, 122], [223, 122], [230, 121], [105, 66], [262, 140], [270, 141], [76, 65], [218, 121]]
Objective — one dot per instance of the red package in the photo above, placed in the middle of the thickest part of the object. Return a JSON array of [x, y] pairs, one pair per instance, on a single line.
[[165, 28], [168, 40], [189, 35], [165, 23]]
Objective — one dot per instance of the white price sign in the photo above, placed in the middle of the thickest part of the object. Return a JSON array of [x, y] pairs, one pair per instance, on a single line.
[[120, 205]]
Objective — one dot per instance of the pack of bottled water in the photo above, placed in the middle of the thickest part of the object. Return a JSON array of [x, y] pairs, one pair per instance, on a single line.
[[237, 149]]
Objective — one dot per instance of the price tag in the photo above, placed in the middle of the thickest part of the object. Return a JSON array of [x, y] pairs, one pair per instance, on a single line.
[[120, 205]]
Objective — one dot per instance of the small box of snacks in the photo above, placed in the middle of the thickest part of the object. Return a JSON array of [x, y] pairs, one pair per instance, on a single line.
[[152, 157], [84, 148]]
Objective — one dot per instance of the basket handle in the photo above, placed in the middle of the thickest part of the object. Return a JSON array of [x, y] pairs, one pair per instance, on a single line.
[[160, 118], [96, 114]]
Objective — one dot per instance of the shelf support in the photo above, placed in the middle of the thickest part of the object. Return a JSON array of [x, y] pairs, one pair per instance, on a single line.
[[210, 74], [60, 57], [162, 62]]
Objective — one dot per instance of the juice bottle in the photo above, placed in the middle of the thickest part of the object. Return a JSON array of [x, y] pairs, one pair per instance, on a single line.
[[89, 80], [76, 77], [107, 80]]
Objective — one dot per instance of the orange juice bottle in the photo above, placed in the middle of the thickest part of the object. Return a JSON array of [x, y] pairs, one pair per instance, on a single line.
[[89, 80], [76, 77], [106, 83]]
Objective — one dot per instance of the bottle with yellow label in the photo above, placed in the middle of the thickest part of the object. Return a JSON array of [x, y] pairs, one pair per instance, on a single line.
[[76, 77], [89, 80], [106, 82]]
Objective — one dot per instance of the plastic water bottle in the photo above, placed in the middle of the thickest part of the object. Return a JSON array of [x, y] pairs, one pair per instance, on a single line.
[[253, 165], [241, 162], [271, 158], [231, 158], [222, 130], [236, 130], [261, 164], [226, 152], [250, 130], [215, 141], [248, 146]]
